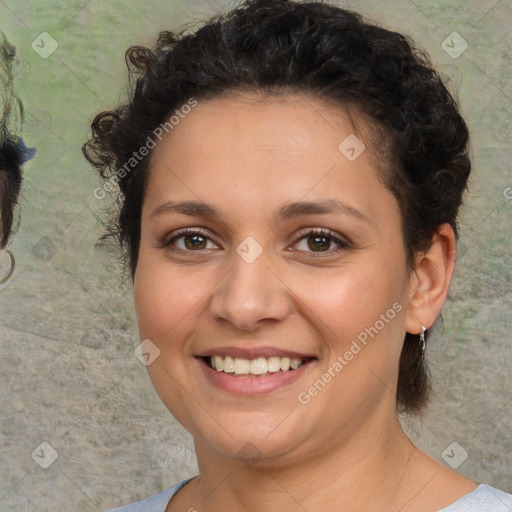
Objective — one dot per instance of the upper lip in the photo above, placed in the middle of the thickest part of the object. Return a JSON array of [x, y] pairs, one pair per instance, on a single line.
[[253, 352]]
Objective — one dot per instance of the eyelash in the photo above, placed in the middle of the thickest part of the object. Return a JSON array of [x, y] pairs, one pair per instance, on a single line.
[[343, 243]]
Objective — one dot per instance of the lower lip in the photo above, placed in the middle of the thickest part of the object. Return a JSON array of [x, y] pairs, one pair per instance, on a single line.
[[253, 385]]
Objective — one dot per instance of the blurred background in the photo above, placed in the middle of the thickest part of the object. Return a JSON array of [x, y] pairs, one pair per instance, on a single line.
[[81, 427]]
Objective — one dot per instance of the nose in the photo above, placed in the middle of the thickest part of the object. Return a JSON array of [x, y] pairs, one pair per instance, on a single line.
[[251, 294]]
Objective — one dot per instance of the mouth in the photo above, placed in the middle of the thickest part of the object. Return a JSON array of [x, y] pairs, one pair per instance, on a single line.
[[257, 367], [254, 371]]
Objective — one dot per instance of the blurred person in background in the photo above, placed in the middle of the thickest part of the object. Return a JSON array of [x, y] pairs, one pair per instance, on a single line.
[[13, 154]]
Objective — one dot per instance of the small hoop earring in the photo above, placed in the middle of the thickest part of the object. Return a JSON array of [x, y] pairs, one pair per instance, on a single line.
[[7, 265], [422, 341]]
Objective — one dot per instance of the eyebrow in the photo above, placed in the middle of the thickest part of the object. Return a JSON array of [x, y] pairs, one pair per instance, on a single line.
[[286, 212]]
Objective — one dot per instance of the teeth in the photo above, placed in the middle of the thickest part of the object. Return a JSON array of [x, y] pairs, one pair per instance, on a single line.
[[258, 366], [295, 363], [218, 363], [242, 366], [273, 364], [229, 365]]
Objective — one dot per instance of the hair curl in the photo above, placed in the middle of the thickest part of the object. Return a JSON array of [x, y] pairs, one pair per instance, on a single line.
[[285, 47]]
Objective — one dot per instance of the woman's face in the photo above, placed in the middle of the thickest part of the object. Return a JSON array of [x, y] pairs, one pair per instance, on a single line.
[[237, 274]]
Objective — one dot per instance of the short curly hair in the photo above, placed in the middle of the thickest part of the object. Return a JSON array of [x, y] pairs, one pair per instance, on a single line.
[[287, 47]]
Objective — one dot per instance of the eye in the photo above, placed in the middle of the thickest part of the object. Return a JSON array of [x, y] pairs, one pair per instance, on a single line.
[[320, 240], [192, 240]]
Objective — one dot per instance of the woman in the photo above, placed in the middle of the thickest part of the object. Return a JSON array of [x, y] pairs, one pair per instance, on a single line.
[[13, 154], [290, 177]]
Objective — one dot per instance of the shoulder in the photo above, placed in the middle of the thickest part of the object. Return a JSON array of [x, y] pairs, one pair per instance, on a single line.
[[155, 503], [483, 499]]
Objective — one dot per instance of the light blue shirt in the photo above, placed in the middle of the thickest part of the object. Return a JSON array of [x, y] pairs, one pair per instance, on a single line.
[[483, 499]]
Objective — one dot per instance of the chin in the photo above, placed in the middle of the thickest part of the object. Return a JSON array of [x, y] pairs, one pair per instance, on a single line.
[[249, 438], [249, 451]]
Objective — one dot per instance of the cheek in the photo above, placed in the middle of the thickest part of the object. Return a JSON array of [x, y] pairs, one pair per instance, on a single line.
[[347, 299], [358, 310], [165, 296]]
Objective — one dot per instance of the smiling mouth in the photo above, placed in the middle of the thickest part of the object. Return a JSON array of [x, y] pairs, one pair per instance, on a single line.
[[254, 367]]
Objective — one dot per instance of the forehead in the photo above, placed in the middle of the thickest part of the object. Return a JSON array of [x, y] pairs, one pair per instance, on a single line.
[[296, 122], [282, 148]]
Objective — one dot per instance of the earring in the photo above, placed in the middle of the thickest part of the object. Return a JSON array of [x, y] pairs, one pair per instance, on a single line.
[[6, 265], [422, 341]]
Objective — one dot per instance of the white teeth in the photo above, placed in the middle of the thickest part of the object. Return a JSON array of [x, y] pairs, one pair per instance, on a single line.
[[273, 364], [229, 365], [242, 366], [295, 363], [219, 366], [258, 366]]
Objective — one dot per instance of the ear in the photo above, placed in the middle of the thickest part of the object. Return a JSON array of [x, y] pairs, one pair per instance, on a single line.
[[430, 280]]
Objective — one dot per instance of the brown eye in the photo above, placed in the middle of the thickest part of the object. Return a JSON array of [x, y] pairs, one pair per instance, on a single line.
[[189, 241], [320, 241], [194, 242]]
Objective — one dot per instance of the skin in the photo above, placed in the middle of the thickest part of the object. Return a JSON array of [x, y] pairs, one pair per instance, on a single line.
[[247, 156]]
